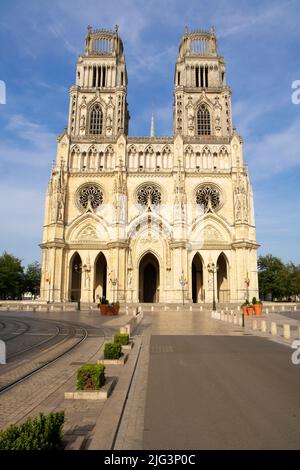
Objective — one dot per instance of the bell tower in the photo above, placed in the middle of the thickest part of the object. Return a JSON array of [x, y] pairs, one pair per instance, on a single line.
[[98, 106], [202, 100]]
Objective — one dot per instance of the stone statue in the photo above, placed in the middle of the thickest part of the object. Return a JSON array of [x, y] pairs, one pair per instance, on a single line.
[[82, 122], [129, 279]]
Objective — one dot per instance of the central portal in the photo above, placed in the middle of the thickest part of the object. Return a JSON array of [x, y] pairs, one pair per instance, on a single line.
[[149, 279]]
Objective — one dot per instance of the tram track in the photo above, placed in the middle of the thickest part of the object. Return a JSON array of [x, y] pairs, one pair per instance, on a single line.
[[47, 363]]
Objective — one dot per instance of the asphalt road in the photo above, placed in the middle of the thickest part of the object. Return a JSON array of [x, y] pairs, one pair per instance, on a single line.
[[221, 392]]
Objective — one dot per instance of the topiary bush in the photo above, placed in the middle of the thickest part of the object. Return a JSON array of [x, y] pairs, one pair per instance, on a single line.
[[90, 377], [122, 338], [41, 433], [112, 351]]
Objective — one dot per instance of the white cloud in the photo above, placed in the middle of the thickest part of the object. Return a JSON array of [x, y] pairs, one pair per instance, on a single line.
[[39, 145], [275, 153], [238, 21]]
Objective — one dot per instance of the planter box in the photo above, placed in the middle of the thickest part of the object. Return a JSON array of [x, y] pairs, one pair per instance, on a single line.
[[250, 311], [245, 310], [257, 309], [113, 310], [101, 394], [116, 362], [103, 309]]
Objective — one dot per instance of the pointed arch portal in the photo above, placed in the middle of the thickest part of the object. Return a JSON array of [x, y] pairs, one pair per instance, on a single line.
[[197, 279], [222, 279], [100, 280], [76, 270], [149, 278]]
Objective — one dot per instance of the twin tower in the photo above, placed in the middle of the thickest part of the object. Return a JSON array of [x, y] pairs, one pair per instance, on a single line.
[[149, 219]]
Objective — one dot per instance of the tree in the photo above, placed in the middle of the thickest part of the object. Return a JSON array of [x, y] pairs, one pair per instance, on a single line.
[[281, 281], [33, 278], [293, 280], [11, 277], [272, 276]]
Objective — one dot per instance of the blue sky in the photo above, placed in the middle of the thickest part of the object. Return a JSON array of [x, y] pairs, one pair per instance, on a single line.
[[39, 45]]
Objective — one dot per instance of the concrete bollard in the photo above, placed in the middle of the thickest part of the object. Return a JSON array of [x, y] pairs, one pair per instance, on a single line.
[[299, 332], [222, 315], [201, 308], [231, 312], [39, 307], [254, 324], [226, 317], [263, 326], [283, 308], [2, 352], [235, 320], [191, 308], [267, 311], [240, 321], [229, 318], [295, 308], [27, 307], [226, 308], [273, 328], [165, 307], [286, 331], [273, 308], [152, 308]]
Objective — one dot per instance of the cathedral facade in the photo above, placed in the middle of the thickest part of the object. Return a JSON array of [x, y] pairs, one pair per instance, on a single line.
[[149, 219]]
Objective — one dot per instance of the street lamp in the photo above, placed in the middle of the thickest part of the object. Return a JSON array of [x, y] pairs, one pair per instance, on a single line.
[[183, 283], [47, 280], [212, 268], [78, 269], [247, 282], [114, 281]]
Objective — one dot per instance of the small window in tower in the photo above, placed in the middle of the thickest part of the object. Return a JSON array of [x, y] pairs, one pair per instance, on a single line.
[[197, 75], [122, 78], [201, 77], [178, 78], [206, 76], [203, 121], [96, 120]]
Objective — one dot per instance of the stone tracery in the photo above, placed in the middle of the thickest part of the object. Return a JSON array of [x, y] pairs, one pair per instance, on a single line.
[[209, 197], [90, 196]]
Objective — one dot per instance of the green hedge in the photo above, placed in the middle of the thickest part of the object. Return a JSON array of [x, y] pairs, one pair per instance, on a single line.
[[112, 351], [40, 433], [90, 377], [122, 338]]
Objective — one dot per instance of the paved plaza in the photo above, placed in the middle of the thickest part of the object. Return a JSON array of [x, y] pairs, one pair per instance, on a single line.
[[190, 382]]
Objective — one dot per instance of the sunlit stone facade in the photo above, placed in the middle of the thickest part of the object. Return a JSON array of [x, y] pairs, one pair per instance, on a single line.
[[133, 218]]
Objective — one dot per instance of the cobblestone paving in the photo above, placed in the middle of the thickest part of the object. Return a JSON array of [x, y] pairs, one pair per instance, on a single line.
[[44, 391]]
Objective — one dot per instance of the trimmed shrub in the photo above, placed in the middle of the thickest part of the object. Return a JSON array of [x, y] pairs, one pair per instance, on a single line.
[[112, 351], [90, 377], [40, 433], [122, 338]]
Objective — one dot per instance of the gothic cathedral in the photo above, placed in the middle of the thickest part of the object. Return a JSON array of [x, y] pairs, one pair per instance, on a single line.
[[149, 219]]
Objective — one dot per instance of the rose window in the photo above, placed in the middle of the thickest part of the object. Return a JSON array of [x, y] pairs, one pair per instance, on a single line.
[[149, 196], [90, 196], [208, 197]]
